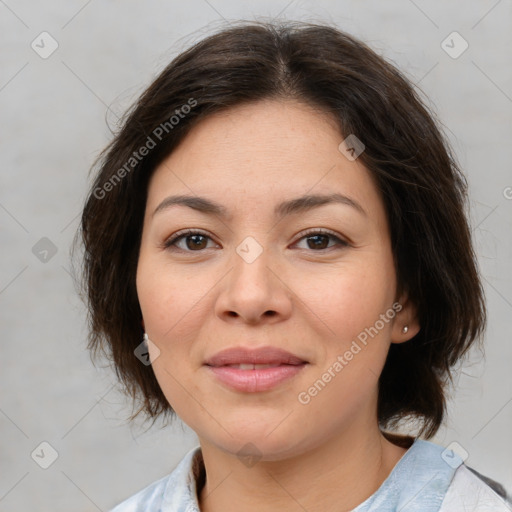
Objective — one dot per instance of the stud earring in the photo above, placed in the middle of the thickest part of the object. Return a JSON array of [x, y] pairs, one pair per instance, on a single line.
[[405, 328]]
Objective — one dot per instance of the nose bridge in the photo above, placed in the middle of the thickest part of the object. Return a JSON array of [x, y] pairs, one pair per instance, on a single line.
[[252, 288], [251, 266]]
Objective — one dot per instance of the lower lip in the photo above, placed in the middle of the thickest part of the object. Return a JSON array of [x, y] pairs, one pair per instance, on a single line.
[[253, 381]]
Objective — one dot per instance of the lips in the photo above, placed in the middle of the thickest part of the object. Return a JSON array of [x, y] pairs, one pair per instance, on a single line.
[[255, 370], [261, 356]]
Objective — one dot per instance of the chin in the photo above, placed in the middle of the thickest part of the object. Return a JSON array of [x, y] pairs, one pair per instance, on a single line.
[[262, 442]]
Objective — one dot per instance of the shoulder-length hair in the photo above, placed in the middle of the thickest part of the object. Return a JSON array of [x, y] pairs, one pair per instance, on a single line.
[[422, 187]]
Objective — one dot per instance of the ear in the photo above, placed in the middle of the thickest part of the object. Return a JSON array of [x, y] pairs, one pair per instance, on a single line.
[[143, 326], [407, 317]]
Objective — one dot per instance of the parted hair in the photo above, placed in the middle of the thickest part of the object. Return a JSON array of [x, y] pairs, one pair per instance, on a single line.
[[410, 160]]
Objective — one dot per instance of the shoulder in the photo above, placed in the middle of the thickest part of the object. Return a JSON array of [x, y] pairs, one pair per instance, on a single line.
[[469, 492], [176, 491], [148, 499]]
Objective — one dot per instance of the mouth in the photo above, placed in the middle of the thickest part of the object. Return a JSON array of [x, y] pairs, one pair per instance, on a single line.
[[240, 356], [249, 366], [254, 370]]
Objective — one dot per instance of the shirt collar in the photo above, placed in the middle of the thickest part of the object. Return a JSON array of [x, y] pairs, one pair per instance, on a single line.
[[418, 482]]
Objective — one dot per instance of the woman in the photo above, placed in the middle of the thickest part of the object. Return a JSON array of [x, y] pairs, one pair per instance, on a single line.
[[276, 251]]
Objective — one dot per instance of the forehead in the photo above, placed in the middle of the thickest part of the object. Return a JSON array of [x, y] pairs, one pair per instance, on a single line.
[[258, 154]]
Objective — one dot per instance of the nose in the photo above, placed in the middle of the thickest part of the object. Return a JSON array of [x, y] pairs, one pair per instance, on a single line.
[[253, 292]]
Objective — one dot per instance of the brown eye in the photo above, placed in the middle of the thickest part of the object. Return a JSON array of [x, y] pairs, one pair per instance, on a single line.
[[194, 241], [319, 240]]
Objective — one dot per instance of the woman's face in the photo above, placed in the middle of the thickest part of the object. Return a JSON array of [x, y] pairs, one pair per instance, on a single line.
[[312, 278]]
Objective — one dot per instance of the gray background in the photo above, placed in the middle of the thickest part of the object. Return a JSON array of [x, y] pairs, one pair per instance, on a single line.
[[53, 125]]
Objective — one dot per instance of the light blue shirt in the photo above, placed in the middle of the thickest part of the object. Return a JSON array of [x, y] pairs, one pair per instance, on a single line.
[[419, 482]]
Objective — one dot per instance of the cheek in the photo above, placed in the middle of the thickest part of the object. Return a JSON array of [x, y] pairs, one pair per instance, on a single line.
[[171, 303], [345, 381], [166, 296], [345, 300]]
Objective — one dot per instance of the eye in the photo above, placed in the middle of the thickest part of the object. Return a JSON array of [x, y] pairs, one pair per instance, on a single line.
[[317, 239], [194, 241]]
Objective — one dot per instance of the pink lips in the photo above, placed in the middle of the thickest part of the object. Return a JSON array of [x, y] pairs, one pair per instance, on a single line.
[[270, 367]]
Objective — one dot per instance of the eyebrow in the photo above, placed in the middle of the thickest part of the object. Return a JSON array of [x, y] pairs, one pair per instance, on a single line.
[[289, 207]]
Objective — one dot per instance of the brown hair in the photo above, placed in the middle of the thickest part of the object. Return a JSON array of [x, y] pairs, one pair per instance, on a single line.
[[422, 187]]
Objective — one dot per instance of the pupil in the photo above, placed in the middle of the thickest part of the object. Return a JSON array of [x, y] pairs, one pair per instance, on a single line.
[[197, 243], [318, 244]]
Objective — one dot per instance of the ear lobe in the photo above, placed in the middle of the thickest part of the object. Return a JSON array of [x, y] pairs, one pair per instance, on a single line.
[[405, 324]]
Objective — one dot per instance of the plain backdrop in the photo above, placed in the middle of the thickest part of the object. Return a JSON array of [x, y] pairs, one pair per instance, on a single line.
[[54, 118]]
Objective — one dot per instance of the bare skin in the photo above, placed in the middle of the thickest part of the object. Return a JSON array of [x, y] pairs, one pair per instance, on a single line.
[[199, 296]]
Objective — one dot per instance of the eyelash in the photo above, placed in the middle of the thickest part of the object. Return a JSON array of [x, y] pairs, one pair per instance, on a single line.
[[169, 244]]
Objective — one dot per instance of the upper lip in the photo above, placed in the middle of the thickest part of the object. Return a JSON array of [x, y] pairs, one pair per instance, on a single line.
[[262, 355]]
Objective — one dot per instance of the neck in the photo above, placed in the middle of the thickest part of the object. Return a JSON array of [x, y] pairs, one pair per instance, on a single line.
[[335, 476]]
